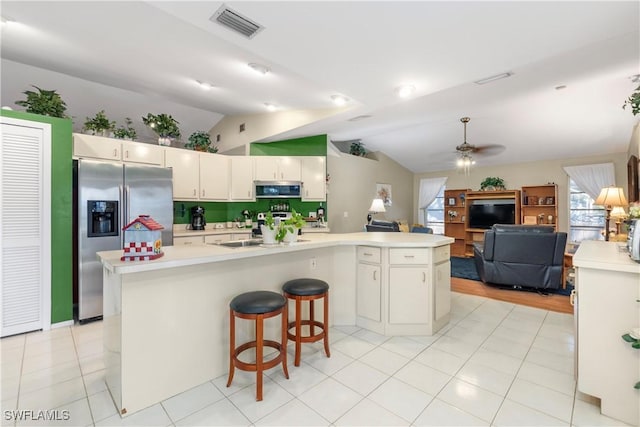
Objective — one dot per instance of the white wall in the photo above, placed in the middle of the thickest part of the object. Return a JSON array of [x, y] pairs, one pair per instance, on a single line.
[[353, 185], [530, 173]]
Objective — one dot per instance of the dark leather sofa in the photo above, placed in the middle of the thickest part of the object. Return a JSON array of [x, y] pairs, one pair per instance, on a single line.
[[521, 256], [380, 225]]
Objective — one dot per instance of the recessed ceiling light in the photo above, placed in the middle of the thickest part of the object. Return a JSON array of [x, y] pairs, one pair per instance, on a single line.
[[405, 91], [204, 85], [493, 78], [270, 107], [259, 68], [339, 99]]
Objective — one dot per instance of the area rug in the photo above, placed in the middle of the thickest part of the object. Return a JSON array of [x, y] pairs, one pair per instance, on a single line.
[[465, 268]]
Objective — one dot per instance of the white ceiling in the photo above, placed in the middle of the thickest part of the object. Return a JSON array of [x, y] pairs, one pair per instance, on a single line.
[[131, 58]]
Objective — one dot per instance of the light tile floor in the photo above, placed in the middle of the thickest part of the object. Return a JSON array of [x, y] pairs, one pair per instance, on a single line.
[[495, 364]]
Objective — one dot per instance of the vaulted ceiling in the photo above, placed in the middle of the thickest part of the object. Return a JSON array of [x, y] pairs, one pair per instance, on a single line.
[[570, 62]]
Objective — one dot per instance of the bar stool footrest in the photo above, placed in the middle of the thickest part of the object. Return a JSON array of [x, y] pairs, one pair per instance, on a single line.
[[253, 367], [307, 338]]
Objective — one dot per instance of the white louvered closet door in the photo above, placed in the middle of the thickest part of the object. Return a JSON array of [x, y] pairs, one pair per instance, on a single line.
[[25, 226]]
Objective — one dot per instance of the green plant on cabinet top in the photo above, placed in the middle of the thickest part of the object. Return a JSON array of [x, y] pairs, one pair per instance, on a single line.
[[126, 132], [200, 141], [633, 101], [44, 102], [492, 183], [162, 124], [99, 124]]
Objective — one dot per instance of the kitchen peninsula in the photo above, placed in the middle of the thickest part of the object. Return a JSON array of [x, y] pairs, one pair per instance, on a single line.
[[166, 321]]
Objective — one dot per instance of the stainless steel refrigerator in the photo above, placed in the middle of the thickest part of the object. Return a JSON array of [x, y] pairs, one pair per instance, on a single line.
[[109, 196]]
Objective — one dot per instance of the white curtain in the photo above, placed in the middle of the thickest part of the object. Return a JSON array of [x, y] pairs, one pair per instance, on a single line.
[[429, 189], [592, 178]]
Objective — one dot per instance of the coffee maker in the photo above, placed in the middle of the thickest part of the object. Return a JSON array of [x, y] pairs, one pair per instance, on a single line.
[[197, 218]]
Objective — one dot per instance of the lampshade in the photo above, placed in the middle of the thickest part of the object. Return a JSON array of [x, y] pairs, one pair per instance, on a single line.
[[377, 206], [618, 212], [611, 196]]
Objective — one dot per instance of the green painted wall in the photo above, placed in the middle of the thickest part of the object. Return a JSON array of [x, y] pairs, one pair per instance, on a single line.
[[308, 146], [228, 211], [61, 213]]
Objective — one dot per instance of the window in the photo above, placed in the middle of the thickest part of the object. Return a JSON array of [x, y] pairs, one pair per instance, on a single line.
[[586, 220], [434, 214]]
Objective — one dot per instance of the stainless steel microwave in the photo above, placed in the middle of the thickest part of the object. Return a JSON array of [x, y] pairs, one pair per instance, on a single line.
[[278, 189]]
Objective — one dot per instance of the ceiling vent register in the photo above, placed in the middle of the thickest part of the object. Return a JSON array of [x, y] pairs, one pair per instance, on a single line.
[[234, 21]]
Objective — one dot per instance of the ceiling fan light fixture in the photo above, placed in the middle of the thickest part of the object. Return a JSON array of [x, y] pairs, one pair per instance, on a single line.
[[405, 91]]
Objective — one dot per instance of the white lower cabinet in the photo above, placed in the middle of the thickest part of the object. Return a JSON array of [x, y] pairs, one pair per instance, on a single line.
[[369, 289], [403, 291], [408, 295]]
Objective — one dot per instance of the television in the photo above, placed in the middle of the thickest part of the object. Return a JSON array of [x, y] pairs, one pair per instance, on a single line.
[[485, 215]]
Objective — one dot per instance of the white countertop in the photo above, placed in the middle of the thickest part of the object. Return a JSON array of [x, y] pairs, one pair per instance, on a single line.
[[180, 256], [603, 255]]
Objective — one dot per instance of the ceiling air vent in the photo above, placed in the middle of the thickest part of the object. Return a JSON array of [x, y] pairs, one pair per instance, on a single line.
[[231, 19]]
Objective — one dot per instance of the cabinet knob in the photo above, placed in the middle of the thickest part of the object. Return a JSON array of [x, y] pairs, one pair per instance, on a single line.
[[115, 152], [126, 154], [374, 275], [202, 193], [424, 276], [195, 193]]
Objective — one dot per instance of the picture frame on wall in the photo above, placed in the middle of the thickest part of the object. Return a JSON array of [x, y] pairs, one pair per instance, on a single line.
[[452, 201]]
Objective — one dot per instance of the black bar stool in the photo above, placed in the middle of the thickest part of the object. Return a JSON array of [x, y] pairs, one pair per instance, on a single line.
[[257, 306], [308, 290]]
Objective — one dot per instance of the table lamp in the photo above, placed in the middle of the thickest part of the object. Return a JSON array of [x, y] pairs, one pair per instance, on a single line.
[[377, 206], [618, 213], [610, 197]]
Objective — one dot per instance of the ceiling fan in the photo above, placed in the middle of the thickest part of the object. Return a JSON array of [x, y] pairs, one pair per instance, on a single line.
[[465, 149]]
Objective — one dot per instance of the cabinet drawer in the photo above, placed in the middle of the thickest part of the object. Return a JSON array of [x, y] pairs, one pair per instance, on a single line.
[[442, 253], [408, 256], [217, 238], [195, 240], [369, 254]]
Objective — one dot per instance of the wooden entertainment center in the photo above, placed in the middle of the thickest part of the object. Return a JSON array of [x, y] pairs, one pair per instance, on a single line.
[[537, 204]]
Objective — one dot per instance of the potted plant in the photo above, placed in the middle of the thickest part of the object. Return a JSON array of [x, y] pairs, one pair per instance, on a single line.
[[99, 124], [452, 214], [288, 229], [357, 149], [492, 183], [200, 141], [164, 125], [44, 102], [633, 101], [268, 230], [127, 132]]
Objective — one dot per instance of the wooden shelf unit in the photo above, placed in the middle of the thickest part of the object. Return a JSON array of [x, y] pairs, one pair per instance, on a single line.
[[538, 202], [477, 234], [455, 226]]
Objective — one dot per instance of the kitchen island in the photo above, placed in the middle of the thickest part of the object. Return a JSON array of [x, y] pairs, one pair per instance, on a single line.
[[166, 321]]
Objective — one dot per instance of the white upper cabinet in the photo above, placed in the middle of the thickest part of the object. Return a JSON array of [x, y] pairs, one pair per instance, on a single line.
[[99, 147], [242, 187], [214, 177], [313, 173], [277, 168], [186, 172]]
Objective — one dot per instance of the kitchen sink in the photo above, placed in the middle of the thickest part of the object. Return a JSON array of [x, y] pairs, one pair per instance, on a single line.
[[241, 243]]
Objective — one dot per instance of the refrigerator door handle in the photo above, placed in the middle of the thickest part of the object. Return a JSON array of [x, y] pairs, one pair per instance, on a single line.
[[127, 204], [122, 214]]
